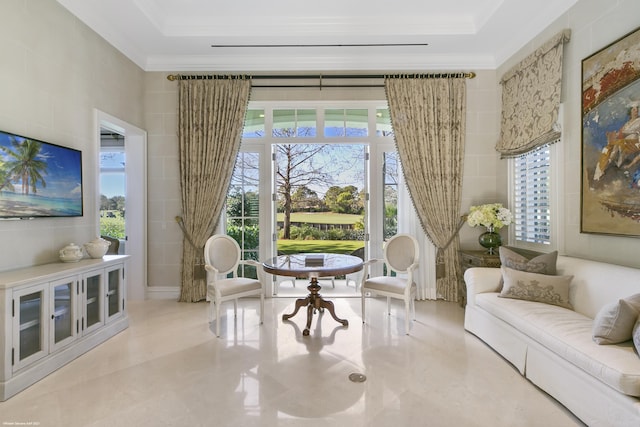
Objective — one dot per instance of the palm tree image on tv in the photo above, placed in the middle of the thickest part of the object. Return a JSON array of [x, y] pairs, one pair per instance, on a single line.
[[26, 164], [38, 179]]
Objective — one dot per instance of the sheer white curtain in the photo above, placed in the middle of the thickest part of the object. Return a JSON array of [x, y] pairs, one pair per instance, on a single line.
[[409, 223]]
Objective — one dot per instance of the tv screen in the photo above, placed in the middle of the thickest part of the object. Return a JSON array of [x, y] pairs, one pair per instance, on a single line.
[[38, 179]]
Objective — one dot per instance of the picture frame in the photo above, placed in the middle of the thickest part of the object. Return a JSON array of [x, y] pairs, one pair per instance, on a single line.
[[610, 169]]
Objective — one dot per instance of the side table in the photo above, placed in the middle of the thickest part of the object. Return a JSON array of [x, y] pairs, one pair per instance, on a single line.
[[473, 258]]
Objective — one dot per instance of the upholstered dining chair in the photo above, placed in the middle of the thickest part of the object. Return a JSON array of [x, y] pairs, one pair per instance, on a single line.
[[401, 259], [222, 256]]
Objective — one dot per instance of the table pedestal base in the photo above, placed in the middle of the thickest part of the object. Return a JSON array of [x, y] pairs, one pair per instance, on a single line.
[[314, 301]]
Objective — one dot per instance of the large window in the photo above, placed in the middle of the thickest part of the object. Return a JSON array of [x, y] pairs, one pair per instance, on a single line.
[[332, 176], [390, 194], [532, 197], [243, 207]]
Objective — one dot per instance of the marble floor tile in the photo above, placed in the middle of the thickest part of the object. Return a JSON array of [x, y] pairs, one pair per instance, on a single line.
[[169, 369]]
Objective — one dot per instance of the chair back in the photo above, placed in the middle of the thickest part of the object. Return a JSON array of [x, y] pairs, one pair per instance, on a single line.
[[400, 252], [114, 247], [223, 253]]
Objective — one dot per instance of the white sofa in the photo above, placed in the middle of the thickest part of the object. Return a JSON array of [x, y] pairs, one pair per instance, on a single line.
[[553, 346]]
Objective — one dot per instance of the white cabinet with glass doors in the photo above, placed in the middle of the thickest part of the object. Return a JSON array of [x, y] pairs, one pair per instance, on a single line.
[[63, 324], [114, 304], [53, 313], [92, 301], [30, 335]]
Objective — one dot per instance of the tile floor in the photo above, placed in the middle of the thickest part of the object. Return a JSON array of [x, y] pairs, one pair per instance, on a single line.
[[168, 369]]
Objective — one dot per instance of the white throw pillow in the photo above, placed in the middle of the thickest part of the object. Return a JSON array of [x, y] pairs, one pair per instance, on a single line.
[[536, 287], [614, 323]]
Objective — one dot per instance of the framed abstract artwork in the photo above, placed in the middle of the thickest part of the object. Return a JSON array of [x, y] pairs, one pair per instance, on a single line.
[[610, 202]]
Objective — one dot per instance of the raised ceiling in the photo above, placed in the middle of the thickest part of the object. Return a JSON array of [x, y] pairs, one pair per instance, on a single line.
[[332, 35]]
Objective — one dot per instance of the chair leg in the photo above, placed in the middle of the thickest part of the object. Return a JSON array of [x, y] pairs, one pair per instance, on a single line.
[[217, 319], [261, 308], [407, 313], [362, 297], [357, 280], [235, 308], [389, 306]]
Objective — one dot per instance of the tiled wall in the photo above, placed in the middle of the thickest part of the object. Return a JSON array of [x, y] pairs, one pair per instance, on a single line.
[[481, 159], [54, 72], [164, 200]]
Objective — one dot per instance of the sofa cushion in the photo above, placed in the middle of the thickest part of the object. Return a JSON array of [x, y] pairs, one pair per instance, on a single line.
[[569, 335], [636, 336], [596, 284], [634, 300], [536, 287], [543, 264], [614, 323]]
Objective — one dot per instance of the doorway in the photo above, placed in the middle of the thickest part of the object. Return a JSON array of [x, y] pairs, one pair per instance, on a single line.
[[254, 216], [122, 182], [113, 190], [320, 207]]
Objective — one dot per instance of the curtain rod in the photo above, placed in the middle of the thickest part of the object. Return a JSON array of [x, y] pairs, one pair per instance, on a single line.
[[321, 78]]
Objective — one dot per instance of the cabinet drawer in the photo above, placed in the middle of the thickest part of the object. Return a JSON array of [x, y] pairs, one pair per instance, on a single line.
[[470, 259]]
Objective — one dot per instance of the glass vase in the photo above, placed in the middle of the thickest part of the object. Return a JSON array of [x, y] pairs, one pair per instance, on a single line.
[[490, 240]]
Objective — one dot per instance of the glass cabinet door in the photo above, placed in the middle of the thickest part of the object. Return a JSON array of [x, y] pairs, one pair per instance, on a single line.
[[29, 331], [92, 301], [114, 291], [63, 328]]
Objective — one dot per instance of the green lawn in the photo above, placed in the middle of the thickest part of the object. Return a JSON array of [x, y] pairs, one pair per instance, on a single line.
[[322, 217], [317, 246]]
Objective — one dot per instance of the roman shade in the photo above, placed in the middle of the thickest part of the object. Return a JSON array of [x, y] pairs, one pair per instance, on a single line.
[[531, 99]]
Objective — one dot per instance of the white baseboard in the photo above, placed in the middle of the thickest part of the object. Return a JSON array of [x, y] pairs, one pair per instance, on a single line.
[[163, 292]]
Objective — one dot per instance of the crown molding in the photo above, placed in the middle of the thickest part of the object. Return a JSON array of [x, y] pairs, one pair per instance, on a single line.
[[306, 62]]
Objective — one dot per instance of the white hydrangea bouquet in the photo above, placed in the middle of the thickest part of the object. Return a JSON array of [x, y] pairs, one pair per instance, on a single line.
[[491, 215]]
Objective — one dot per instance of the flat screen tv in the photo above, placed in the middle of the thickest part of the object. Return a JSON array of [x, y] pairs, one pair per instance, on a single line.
[[38, 179]]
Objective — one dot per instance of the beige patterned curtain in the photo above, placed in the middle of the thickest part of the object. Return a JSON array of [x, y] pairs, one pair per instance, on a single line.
[[531, 99], [210, 120], [428, 118]]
